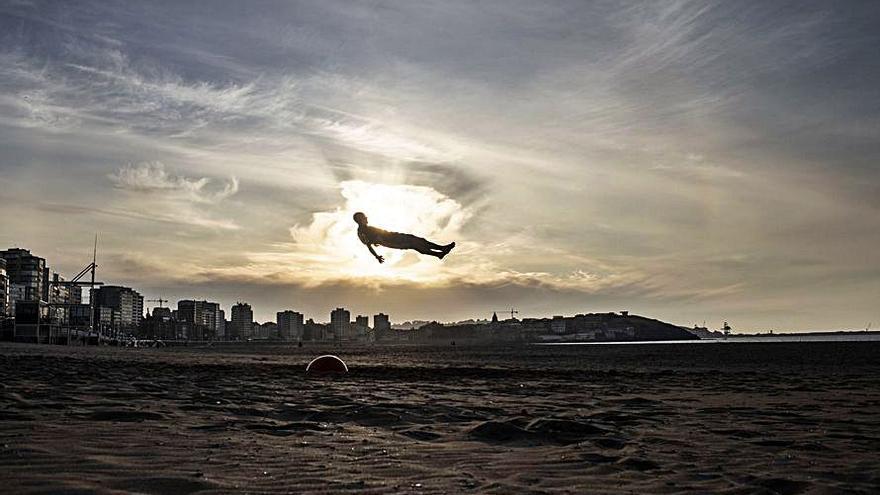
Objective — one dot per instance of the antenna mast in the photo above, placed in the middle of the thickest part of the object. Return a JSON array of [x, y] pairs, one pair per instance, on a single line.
[[92, 290], [94, 258]]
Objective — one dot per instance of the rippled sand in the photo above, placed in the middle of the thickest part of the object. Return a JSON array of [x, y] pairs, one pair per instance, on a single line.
[[710, 418]]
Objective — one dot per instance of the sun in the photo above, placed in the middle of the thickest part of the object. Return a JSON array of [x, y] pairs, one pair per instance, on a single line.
[[332, 250]]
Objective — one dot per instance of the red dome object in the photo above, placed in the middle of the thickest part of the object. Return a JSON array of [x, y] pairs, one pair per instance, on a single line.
[[327, 364]]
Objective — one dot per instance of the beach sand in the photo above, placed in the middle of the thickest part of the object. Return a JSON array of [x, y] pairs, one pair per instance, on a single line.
[[707, 418]]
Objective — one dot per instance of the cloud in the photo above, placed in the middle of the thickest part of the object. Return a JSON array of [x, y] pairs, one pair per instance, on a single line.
[[610, 150], [102, 90], [151, 177], [329, 246], [378, 139], [695, 168], [177, 217], [326, 250], [149, 191]]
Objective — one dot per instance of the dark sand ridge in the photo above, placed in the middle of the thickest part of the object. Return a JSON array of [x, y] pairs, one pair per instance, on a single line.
[[719, 418]]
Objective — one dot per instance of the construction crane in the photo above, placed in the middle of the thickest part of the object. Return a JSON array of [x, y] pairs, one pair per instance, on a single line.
[[512, 312], [158, 300], [76, 282]]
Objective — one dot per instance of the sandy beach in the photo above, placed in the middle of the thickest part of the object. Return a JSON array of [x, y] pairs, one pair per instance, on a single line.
[[683, 418]]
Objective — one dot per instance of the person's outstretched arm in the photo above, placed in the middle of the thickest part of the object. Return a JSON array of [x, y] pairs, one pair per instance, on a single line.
[[373, 252]]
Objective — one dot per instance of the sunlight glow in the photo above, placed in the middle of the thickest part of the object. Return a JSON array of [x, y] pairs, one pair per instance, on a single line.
[[331, 246]]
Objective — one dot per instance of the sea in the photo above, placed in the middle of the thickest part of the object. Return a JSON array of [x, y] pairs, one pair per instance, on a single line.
[[807, 337]]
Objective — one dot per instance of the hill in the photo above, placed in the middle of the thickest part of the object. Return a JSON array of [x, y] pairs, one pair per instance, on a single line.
[[592, 327]]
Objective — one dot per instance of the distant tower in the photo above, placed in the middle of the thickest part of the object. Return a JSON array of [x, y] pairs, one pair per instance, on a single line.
[[381, 322], [494, 318], [290, 324], [361, 327], [242, 320], [24, 274], [126, 306], [203, 318], [726, 329], [340, 321]]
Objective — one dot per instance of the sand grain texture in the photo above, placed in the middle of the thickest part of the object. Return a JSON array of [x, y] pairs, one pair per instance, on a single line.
[[710, 418]]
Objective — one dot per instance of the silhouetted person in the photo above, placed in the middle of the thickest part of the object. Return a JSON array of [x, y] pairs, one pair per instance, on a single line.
[[371, 236]]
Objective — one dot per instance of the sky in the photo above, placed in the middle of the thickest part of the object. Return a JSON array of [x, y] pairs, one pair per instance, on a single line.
[[687, 161]]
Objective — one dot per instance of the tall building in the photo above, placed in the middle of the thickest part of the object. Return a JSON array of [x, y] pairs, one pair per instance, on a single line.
[[103, 320], [290, 325], [381, 327], [4, 288], [25, 274], [315, 331], [361, 327], [126, 306], [381, 322], [162, 313], [242, 321], [61, 295], [267, 330], [158, 325], [340, 322], [205, 318]]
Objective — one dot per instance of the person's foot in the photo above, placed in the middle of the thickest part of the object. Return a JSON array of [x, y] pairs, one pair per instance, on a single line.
[[446, 250]]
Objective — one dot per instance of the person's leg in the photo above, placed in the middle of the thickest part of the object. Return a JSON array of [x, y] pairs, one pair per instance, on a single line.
[[435, 247], [438, 254], [427, 248], [443, 250], [421, 245]]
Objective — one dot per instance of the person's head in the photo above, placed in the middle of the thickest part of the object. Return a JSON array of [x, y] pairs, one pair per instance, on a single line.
[[360, 218]]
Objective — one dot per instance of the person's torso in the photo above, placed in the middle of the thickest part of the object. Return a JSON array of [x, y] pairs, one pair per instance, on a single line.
[[372, 235]]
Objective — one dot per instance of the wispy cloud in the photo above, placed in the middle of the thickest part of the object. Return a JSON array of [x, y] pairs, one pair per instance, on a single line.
[[179, 218], [105, 91], [153, 178]]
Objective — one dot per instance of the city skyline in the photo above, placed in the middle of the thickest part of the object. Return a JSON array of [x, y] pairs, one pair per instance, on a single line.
[[692, 161]]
